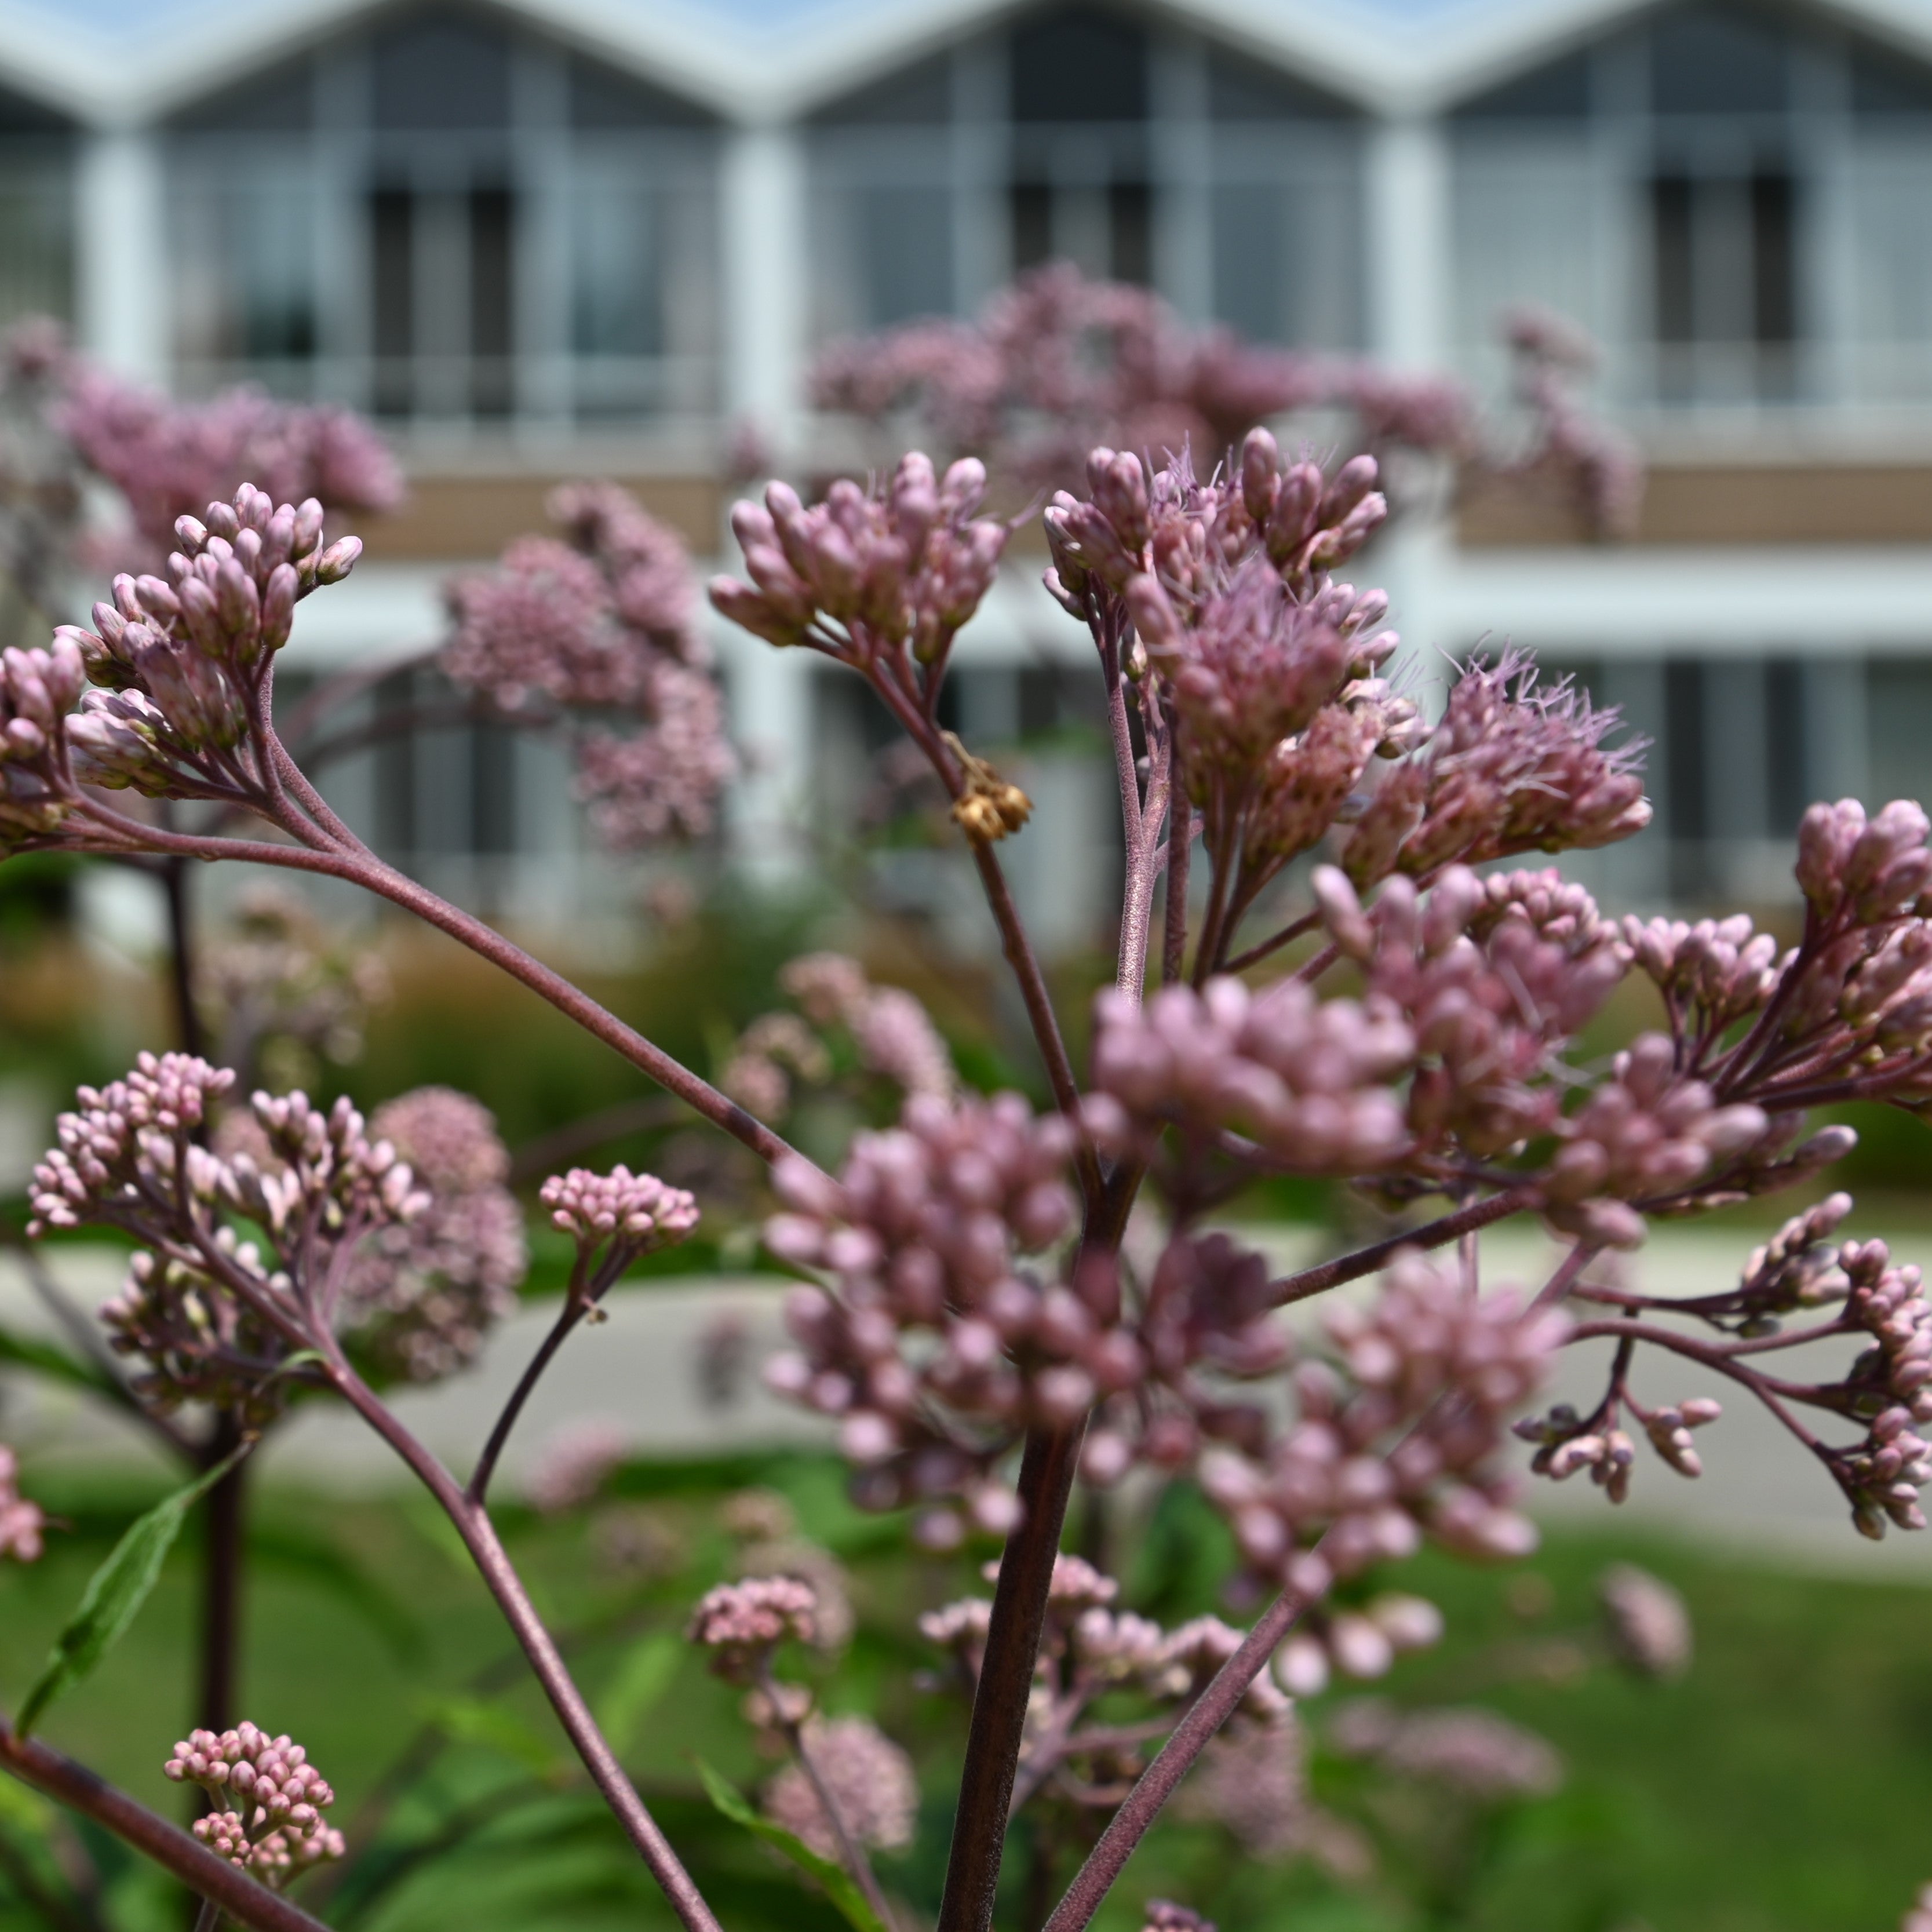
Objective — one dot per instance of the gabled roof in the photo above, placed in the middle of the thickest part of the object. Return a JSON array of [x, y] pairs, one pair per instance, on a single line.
[[125, 61]]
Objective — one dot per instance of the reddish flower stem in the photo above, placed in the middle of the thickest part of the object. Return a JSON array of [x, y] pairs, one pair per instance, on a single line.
[[1189, 1738], [246, 1900], [373, 875], [479, 1536], [1006, 1682], [1318, 1280]]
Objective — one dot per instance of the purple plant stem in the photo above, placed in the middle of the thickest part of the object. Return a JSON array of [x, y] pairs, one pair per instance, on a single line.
[[374, 876], [851, 1854], [245, 1900], [1180, 849], [1318, 1280], [574, 1309], [1006, 1682], [1189, 1739], [1293, 930], [493, 1562], [224, 1530]]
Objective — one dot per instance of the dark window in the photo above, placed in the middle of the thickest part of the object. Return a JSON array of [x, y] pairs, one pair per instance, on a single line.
[[602, 99], [917, 96], [441, 68], [1244, 90], [1787, 746], [908, 252], [1685, 764], [1885, 83], [1032, 211], [492, 775], [1130, 216], [281, 101], [1079, 64], [1713, 60], [1558, 91], [1674, 258], [1774, 280], [492, 300], [392, 297]]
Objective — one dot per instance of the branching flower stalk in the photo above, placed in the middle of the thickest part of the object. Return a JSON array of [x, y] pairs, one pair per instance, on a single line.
[[966, 1304]]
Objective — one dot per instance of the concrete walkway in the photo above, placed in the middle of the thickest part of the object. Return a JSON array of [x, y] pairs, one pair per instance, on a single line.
[[637, 1373]]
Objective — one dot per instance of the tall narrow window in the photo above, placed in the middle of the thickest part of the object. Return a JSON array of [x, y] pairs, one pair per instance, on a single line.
[[492, 302], [392, 299], [1723, 269]]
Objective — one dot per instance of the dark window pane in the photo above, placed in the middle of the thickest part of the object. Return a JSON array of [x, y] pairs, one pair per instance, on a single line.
[[907, 237], [492, 299], [1787, 750], [600, 98], [1899, 705], [1774, 268], [1672, 263], [392, 296], [1712, 60], [493, 779], [1248, 258], [395, 784], [615, 309], [1244, 90], [1032, 209], [1558, 91], [1079, 63], [1685, 764], [1886, 83], [441, 68], [917, 96], [1130, 212], [281, 101]]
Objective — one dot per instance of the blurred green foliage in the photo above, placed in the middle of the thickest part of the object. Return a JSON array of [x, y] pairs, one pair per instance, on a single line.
[[1777, 1788]]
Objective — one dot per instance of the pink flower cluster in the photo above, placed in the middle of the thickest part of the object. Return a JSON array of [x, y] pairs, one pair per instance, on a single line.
[[1397, 1438], [38, 690], [1090, 1649], [184, 661], [167, 459], [275, 1829], [423, 1294], [923, 1233], [1510, 768], [1475, 1753], [742, 1623], [1057, 363], [1491, 980], [22, 1522], [605, 623], [881, 581], [1647, 1622], [1307, 1081], [620, 1216], [214, 1313], [870, 1779], [890, 1031]]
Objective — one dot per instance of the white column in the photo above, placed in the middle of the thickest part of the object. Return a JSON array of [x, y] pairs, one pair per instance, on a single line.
[[123, 299], [771, 725], [766, 294], [1407, 257]]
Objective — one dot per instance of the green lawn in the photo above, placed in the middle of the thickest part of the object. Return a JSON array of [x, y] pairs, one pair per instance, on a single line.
[[1784, 1785]]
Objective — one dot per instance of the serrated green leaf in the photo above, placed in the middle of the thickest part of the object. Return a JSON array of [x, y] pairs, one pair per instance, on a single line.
[[473, 1721], [839, 1885], [640, 1681], [115, 1593]]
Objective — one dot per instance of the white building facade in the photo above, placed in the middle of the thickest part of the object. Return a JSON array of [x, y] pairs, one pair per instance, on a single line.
[[535, 238]]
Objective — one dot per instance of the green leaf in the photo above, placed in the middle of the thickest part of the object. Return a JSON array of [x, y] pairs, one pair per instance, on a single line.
[[44, 1359], [640, 1680], [840, 1886], [472, 1720], [115, 1593]]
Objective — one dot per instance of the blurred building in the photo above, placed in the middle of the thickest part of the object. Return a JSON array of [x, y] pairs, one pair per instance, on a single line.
[[539, 238]]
